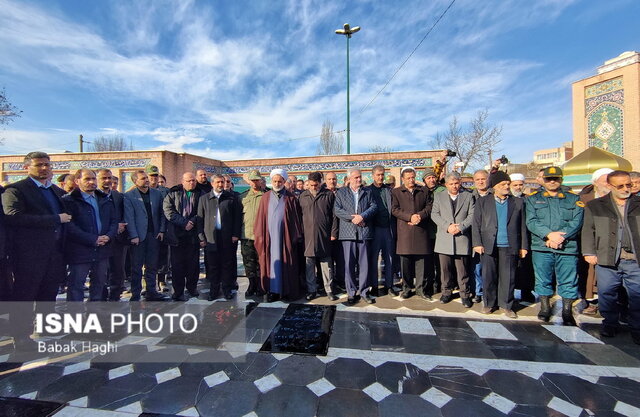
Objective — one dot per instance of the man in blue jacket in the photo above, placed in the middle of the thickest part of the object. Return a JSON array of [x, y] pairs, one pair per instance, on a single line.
[[90, 236], [355, 209]]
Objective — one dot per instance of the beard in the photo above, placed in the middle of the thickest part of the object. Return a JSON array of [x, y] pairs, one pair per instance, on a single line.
[[277, 189], [517, 193]]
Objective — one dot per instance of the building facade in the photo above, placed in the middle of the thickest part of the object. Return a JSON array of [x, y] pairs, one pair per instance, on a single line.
[[553, 156], [172, 164], [606, 109]]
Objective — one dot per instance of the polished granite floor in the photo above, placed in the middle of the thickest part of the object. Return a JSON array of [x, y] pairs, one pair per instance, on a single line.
[[393, 358]]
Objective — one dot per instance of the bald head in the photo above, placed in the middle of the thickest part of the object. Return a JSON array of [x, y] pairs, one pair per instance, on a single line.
[[189, 181]]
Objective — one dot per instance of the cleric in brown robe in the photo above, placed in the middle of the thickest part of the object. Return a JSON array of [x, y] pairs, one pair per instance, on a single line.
[[278, 240]]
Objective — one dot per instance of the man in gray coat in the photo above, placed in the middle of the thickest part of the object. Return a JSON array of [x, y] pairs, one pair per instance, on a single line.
[[355, 209], [317, 221], [452, 213], [146, 224]]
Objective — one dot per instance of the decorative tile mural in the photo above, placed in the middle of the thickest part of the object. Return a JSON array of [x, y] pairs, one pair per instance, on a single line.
[[603, 87], [604, 107], [604, 127], [328, 166], [90, 164]]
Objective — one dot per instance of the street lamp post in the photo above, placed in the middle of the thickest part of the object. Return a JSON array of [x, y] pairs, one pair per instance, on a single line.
[[348, 31]]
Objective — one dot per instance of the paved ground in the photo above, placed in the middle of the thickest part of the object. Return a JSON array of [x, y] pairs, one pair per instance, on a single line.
[[394, 358]]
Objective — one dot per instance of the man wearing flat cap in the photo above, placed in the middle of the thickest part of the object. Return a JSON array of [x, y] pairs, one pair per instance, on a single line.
[[432, 263], [554, 218], [499, 236], [278, 240]]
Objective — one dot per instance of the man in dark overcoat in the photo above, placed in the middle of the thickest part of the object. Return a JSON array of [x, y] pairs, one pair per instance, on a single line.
[[411, 206], [317, 219]]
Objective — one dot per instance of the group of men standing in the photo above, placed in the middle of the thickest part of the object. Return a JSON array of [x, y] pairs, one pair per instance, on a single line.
[[436, 237]]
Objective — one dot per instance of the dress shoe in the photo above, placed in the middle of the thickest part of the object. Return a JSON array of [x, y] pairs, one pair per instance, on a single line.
[[271, 297], [311, 296], [369, 299], [487, 310], [467, 302], [25, 344], [228, 296], [156, 297], [405, 294], [424, 296], [607, 331], [511, 314], [164, 287], [477, 299], [545, 308], [393, 291], [383, 291], [181, 297], [249, 293], [331, 297], [211, 297], [527, 296], [591, 310], [351, 300], [134, 298], [445, 299], [567, 312], [194, 293]]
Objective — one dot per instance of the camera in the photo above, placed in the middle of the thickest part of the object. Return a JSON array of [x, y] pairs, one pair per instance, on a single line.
[[451, 153], [503, 160]]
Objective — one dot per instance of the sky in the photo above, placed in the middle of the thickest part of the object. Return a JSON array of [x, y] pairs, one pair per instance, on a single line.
[[256, 79]]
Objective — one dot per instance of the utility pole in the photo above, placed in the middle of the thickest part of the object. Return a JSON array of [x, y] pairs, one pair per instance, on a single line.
[[82, 142]]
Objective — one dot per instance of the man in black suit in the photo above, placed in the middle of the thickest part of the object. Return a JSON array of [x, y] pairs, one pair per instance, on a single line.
[[499, 235], [219, 224], [119, 245], [35, 215], [180, 208]]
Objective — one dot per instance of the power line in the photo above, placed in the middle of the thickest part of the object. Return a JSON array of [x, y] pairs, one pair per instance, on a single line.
[[304, 137], [408, 57]]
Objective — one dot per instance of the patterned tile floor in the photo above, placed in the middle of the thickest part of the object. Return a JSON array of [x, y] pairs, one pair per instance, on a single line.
[[394, 358]]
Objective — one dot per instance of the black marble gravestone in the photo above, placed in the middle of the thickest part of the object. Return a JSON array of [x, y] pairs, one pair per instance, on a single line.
[[304, 329]]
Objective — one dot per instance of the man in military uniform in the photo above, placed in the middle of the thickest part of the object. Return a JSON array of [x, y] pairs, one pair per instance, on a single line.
[[554, 218], [250, 201]]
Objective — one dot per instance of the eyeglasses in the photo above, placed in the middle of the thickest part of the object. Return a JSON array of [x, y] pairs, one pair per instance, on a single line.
[[550, 179], [621, 186]]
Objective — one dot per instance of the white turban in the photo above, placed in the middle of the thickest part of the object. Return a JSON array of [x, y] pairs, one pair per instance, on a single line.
[[406, 168], [516, 177], [600, 172], [278, 171]]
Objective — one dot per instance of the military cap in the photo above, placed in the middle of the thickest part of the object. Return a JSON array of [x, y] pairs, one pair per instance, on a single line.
[[254, 175], [152, 170], [552, 172]]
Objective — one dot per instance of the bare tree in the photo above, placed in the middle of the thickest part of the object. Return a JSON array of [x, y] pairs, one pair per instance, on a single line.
[[331, 143], [381, 149], [8, 111], [473, 145], [110, 143]]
